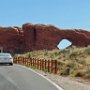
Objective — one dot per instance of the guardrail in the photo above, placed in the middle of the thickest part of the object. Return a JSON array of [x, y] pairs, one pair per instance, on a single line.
[[41, 64]]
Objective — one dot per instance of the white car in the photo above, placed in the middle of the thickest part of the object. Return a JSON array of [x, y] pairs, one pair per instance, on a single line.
[[6, 58]]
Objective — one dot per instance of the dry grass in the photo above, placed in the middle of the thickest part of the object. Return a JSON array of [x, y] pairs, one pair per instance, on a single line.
[[75, 61]]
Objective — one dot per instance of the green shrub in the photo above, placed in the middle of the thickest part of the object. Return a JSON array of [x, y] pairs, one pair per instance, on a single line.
[[73, 55], [87, 50], [87, 74], [29, 55], [45, 52], [65, 71], [81, 61], [76, 73]]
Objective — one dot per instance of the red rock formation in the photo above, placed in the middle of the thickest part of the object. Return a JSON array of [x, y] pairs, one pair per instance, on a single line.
[[11, 38], [39, 36]]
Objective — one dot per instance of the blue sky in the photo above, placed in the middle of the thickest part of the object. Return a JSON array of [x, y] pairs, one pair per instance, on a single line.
[[61, 13]]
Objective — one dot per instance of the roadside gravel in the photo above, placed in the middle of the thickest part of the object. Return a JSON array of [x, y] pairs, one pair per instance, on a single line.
[[67, 83]]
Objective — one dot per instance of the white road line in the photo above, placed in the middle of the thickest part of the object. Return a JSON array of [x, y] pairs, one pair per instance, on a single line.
[[58, 87]]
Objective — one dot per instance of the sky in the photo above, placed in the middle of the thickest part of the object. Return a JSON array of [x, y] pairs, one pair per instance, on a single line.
[[61, 13], [64, 44]]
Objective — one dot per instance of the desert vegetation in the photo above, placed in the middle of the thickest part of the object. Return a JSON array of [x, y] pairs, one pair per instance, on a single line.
[[74, 61]]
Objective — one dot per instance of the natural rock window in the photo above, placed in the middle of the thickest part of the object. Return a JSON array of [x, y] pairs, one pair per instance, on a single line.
[[64, 44]]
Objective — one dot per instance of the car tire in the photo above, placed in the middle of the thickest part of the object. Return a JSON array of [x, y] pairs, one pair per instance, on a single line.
[[11, 64]]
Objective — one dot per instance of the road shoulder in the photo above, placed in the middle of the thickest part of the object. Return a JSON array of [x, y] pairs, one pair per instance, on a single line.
[[67, 83]]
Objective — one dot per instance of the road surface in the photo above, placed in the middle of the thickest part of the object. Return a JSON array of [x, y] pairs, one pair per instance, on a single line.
[[18, 77]]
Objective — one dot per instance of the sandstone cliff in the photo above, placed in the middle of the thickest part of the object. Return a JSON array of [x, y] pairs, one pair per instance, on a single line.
[[36, 37]]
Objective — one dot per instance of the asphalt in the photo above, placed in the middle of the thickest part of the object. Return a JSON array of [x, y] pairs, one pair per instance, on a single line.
[[17, 77]]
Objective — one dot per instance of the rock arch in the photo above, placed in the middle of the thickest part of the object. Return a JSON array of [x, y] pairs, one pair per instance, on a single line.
[[37, 37]]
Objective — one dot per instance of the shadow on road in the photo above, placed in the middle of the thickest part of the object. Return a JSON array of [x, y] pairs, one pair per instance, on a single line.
[[4, 64]]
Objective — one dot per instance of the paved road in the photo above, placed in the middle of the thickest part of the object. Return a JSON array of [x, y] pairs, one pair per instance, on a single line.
[[17, 77]]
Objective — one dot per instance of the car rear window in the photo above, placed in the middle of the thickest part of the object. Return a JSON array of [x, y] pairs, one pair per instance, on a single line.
[[5, 55]]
